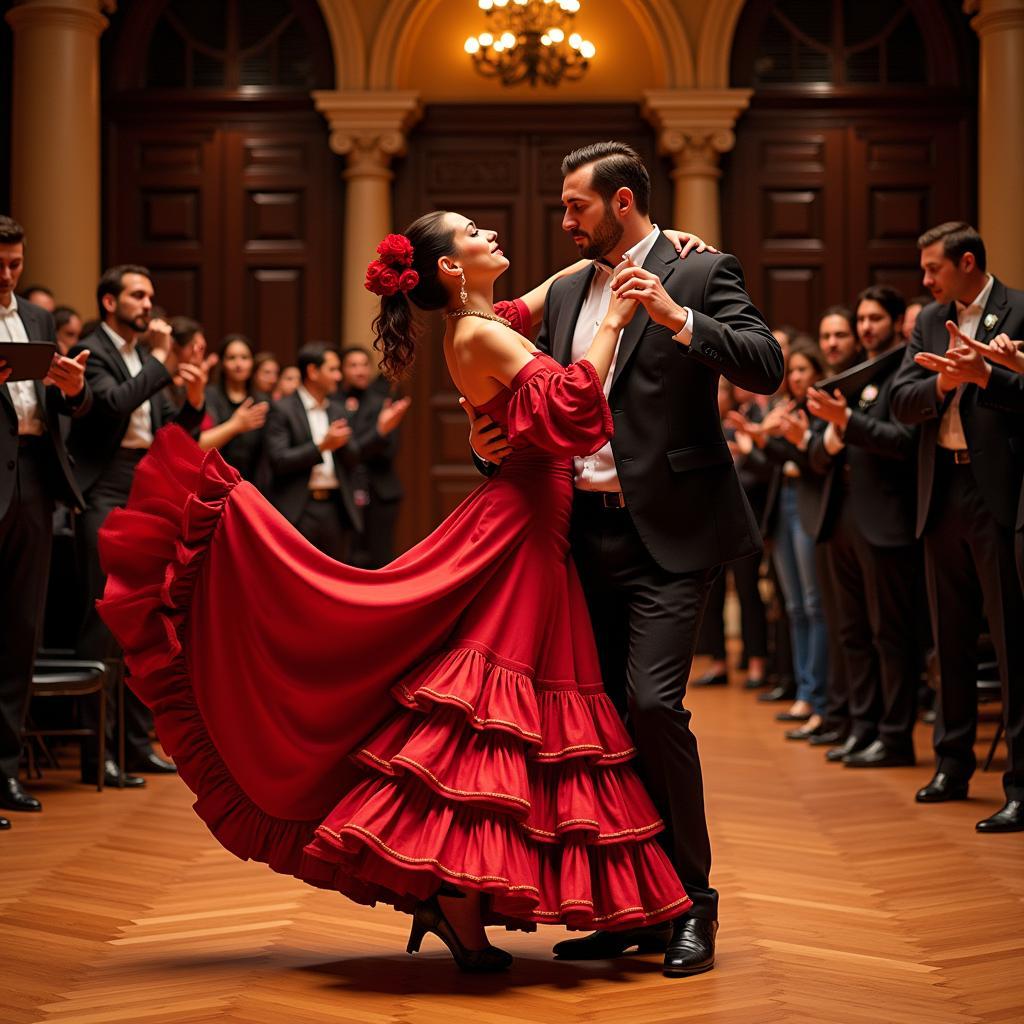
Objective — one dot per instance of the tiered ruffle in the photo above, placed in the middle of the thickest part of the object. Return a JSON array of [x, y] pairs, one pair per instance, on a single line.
[[484, 777]]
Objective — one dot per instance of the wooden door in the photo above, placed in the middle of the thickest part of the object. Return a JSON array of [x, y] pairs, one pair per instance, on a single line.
[[239, 224], [501, 168]]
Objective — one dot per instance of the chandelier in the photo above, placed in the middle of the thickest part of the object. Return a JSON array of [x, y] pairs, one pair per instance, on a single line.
[[530, 40]]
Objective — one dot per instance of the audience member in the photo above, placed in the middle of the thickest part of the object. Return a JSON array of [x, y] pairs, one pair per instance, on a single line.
[[235, 416], [914, 307], [41, 296], [36, 474], [310, 454], [265, 371], [837, 339], [131, 362], [375, 419], [68, 325], [873, 560], [969, 482], [288, 382]]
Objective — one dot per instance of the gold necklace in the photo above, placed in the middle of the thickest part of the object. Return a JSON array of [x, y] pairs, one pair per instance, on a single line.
[[456, 313]]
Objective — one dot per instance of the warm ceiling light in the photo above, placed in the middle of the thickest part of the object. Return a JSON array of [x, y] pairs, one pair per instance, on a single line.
[[528, 42]]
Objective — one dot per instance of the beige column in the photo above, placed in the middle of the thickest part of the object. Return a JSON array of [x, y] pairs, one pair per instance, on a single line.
[[695, 127], [369, 129], [1000, 27], [55, 144]]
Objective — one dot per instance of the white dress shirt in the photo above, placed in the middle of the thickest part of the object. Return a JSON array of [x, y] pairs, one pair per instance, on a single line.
[[140, 426], [323, 476], [597, 472], [951, 429], [22, 392]]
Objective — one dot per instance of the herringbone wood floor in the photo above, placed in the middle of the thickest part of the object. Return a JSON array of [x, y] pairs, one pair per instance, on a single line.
[[842, 901]]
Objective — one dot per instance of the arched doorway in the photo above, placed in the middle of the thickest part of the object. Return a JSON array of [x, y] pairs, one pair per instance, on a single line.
[[218, 173], [860, 135]]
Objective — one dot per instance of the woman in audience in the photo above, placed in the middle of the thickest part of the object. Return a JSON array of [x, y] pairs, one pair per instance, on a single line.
[[236, 417], [287, 383], [265, 372]]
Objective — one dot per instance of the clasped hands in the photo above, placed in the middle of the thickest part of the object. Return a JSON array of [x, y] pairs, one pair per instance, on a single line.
[[188, 365], [968, 361], [784, 420]]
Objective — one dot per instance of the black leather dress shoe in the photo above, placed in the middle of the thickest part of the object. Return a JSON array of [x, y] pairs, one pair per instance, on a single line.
[[878, 755], [943, 787], [849, 746], [14, 798], [4, 824], [789, 716], [149, 763], [827, 738], [692, 947], [777, 693], [754, 682], [1009, 818], [711, 679], [605, 945], [111, 776], [803, 733]]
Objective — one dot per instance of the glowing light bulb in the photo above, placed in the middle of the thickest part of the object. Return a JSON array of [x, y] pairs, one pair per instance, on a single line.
[[556, 35], [572, 6], [574, 40], [508, 40], [501, 3], [485, 5], [587, 49], [485, 39], [499, 47], [472, 45], [545, 40]]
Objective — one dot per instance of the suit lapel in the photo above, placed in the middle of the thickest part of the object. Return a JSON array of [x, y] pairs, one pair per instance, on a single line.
[[101, 344], [998, 304], [300, 418], [571, 304], [661, 260]]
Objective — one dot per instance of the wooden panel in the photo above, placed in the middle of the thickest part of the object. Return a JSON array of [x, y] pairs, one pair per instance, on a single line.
[[792, 292], [899, 214], [793, 215], [165, 156], [170, 217], [274, 306], [277, 216], [178, 289]]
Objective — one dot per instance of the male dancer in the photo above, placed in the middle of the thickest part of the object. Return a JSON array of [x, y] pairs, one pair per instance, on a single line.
[[659, 509]]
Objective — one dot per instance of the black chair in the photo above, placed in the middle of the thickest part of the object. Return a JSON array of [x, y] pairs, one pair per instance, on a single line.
[[57, 675]]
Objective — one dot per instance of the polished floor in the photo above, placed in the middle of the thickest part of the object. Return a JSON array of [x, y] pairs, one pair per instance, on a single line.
[[842, 901]]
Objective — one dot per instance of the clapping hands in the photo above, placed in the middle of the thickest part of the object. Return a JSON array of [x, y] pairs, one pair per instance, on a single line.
[[963, 363]]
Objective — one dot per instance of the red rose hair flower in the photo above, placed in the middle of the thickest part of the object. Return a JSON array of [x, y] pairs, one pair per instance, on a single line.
[[391, 271]]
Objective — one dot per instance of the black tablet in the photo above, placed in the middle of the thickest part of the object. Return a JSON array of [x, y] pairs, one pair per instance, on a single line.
[[852, 382], [28, 360]]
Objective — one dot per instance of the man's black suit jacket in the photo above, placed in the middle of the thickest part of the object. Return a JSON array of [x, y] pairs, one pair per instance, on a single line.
[[992, 423], [879, 453], [291, 455], [96, 438], [52, 407], [377, 452], [673, 463]]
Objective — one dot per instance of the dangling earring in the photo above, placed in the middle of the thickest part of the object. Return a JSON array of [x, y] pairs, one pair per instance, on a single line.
[[463, 295]]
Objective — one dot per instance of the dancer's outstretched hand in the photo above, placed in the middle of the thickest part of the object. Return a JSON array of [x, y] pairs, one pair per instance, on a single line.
[[687, 242], [486, 437]]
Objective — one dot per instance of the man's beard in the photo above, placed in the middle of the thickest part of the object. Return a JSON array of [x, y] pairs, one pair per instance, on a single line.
[[883, 346], [138, 325], [605, 237]]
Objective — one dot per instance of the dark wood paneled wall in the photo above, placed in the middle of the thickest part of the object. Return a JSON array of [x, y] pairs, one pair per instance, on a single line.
[[499, 166]]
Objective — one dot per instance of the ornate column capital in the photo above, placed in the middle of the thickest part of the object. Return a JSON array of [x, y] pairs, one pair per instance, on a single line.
[[368, 128], [695, 126], [995, 15], [83, 15]]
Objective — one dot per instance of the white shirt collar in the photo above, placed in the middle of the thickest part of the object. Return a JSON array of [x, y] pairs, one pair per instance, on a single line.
[[982, 298], [309, 401], [12, 309], [638, 253], [122, 345]]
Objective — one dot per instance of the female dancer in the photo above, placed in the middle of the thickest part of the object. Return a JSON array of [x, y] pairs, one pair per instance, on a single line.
[[433, 734]]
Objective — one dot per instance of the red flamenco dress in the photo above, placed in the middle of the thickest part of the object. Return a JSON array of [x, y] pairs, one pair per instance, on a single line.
[[440, 720]]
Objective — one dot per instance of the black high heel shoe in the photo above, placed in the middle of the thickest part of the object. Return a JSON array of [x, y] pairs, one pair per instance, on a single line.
[[429, 917]]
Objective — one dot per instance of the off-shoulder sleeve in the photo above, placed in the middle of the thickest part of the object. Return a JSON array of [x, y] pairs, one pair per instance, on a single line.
[[561, 410], [516, 312]]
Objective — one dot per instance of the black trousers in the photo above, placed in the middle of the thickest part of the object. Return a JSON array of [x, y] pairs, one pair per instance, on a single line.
[[26, 534], [374, 547], [646, 621], [753, 620], [874, 589], [837, 691], [95, 641], [326, 525], [969, 565]]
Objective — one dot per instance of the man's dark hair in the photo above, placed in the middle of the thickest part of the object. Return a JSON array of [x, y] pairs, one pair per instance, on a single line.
[[844, 311], [921, 300], [888, 298], [353, 350], [111, 282], [11, 232], [616, 166], [312, 354], [184, 329], [957, 237], [36, 288], [62, 316]]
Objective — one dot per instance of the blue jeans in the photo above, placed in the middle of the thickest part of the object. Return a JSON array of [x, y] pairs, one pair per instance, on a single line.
[[794, 563]]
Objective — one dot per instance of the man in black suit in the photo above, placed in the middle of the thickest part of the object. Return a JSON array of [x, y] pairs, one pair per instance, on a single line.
[[661, 508], [374, 418], [310, 453], [132, 361], [34, 474], [970, 467], [868, 522]]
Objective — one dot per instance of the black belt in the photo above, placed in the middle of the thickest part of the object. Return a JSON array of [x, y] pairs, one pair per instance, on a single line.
[[956, 456], [602, 499], [31, 440], [323, 493]]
